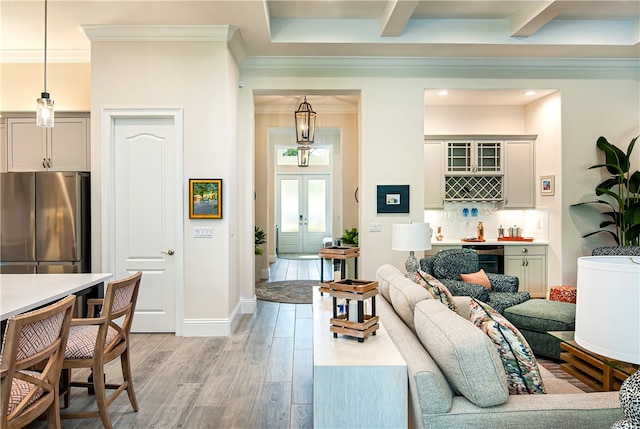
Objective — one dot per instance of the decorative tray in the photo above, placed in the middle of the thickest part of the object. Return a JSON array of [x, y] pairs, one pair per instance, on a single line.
[[473, 240]]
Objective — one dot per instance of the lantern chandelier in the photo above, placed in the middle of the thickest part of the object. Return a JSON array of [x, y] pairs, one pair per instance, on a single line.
[[305, 131], [305, 123], [44, 109]]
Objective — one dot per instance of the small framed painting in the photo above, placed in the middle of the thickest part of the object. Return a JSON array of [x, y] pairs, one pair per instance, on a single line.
[[205, 198], [547, 185], [393, 199]]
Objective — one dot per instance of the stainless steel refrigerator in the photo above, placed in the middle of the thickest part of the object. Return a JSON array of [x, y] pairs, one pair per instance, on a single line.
[[45, 222]]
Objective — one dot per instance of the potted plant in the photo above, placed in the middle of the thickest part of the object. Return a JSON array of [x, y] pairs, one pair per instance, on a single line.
[[620, 195], [349, 238], [260, 237]]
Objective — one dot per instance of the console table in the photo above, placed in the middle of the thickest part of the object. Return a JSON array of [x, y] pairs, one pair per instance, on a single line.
[[356, 385]]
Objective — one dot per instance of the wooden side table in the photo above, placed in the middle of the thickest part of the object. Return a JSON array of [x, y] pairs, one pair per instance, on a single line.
[[362, 325], [594, 370], [338, 254]]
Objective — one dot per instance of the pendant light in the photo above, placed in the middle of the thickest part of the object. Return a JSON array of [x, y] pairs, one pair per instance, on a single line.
[[303, 156], [305, 123], [44, 110]]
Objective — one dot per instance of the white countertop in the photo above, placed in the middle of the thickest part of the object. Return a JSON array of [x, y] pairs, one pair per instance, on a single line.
[[23, 292], [488, 241]]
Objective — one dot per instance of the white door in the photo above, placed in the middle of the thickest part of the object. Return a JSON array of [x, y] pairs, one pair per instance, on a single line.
[[304, 212], [144, 187]]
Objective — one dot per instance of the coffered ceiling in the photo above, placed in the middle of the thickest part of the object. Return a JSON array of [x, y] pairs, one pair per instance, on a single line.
[[344, 28]]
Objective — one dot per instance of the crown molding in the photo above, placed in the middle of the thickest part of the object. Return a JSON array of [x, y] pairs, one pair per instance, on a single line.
[[169, 33]]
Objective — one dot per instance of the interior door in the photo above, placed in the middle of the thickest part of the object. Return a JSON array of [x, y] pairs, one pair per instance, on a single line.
[[303, 212], [145, 216]]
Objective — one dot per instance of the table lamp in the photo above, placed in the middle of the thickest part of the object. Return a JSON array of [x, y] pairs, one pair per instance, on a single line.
[[411, 237], [608, 320]]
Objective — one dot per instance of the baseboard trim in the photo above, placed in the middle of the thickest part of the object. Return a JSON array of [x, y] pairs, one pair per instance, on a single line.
[[249, 306], [212, 327]]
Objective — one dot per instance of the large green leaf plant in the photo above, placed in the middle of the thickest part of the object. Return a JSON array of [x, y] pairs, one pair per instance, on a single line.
[[619, 194]]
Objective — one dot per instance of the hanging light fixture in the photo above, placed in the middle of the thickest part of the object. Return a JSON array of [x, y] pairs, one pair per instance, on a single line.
[[303, 156], [305, 123], [44, 110]]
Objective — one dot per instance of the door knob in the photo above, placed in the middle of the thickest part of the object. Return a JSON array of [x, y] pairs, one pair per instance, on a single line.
[[169, 252]]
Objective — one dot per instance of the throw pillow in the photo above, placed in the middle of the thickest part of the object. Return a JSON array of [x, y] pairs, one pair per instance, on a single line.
[[523, 375], [436, 289], [463, 353], [479, 278]]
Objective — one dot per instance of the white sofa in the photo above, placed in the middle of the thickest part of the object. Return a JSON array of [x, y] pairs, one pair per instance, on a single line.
[[474, 394]]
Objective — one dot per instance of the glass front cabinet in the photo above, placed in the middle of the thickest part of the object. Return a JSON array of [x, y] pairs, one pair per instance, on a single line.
[[469, 157]]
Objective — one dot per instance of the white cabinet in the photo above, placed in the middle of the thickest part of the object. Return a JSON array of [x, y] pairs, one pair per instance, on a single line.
[[529, 264], [466, 157], [434, 174], [3, 146], [519, 185], [65, 147]]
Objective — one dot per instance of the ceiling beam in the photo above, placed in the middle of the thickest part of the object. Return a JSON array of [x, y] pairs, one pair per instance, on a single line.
[[528, 20], [395, 17]]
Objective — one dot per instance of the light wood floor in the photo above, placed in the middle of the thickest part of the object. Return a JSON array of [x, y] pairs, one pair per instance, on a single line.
[[259, 377]]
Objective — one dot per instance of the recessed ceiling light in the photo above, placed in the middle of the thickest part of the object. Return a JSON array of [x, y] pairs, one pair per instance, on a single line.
[[443, 92], [529, 93]]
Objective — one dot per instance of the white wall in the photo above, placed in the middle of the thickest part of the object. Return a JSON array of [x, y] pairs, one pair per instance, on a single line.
[[201, 79], [544, 118], [474, 120]]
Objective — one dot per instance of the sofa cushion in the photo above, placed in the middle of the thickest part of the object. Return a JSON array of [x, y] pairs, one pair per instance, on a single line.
[[479, 277], [519, 362], [436, 289], [405, 294], [464, 354], [384, 275]]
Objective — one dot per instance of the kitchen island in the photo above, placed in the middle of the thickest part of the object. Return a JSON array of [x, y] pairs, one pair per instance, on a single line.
[[20, 293]]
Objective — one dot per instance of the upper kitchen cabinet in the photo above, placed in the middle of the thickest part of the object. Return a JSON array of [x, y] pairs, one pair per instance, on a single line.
[[65, 147], [519, 182], [434, 174], [468, 157]]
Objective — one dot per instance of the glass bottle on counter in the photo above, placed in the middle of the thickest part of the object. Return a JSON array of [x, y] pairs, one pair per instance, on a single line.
[[480, 231]]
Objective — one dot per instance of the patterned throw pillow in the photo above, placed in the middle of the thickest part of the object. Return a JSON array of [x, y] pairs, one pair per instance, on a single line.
[[523, 376], [436, 289], [479, 278]]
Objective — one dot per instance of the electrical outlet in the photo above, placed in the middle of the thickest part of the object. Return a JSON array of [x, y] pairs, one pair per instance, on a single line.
[[375, 227]]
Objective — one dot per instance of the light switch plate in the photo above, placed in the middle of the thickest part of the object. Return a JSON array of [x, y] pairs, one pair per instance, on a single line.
[[203, 232], [375, 227]]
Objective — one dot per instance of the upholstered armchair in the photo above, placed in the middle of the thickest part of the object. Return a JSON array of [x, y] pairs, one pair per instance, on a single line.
[[448, 265], [616, 251]]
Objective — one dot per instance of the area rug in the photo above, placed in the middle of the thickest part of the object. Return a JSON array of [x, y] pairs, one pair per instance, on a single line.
[[288, 292], [554, 368]]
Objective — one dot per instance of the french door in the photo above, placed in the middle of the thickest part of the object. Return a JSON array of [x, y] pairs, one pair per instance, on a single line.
[[303, 212]]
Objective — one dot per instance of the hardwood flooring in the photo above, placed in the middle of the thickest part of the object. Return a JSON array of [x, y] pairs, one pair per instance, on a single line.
[[259, 377]]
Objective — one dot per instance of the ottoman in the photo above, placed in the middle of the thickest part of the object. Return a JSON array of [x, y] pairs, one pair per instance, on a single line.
[[563, 293], [537, 316]]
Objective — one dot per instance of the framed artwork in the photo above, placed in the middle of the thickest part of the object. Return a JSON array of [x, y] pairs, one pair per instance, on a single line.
[[205, 198], [547, 185], [393, 198]]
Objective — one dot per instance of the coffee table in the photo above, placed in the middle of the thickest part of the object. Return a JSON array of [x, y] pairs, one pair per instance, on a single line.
[[597, 371]]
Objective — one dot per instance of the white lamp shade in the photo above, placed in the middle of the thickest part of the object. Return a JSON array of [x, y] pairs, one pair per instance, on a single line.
[[608, 306], [411, 236]]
